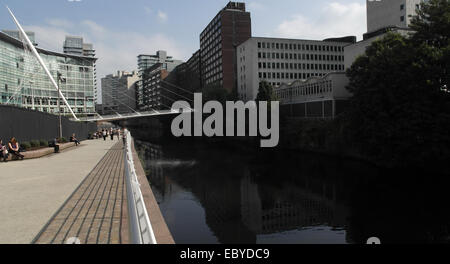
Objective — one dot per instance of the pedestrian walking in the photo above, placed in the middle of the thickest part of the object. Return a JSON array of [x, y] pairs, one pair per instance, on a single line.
[[105, 134], [124, 138]]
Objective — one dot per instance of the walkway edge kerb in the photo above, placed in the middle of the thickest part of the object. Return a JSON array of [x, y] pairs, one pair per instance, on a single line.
[[160, 228]]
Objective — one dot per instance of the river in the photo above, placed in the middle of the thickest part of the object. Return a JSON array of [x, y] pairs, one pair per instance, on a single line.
[[213, 193]]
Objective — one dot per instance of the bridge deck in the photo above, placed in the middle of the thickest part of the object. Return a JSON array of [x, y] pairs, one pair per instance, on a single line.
[[96, 210]]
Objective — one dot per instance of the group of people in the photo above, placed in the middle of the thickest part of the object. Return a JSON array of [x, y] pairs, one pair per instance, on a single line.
[[12, 148], [105, 133]]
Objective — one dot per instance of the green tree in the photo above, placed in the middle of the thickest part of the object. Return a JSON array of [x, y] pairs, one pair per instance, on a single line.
[[215, 92], [432, 23], [265, 92], [399, 114]]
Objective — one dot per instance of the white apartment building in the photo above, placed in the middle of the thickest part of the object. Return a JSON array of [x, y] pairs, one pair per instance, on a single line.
[[280, 61]]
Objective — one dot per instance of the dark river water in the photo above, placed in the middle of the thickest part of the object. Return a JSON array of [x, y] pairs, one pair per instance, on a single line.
[[213, 193]]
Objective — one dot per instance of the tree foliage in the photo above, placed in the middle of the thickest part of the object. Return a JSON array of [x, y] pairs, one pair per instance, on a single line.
[[215, 92], [265, 92], [400, 112]]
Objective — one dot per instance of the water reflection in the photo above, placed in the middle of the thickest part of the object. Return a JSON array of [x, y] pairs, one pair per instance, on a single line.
[[211, 194]]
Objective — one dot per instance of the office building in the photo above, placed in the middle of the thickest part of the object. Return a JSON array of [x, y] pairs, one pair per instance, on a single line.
[[16, 34], [152, 88], [193, 64], [391, 13], [24, 83], [279, 61], [75, 45], [383, 17], [218, 41], [88, 50], [189, 76], [118, 92], [316, 97], [164, 62], [147, 61], [162, 88]]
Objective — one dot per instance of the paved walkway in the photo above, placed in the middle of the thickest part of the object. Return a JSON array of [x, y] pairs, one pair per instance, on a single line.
[[31, 192], [93, 214]]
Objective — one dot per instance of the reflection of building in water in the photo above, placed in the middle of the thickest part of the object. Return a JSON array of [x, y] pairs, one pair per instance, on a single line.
[[154, 171], [289, 209], [221, 201], [238, 209]]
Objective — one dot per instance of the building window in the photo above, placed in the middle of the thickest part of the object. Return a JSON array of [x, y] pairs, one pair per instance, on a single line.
[[402, 18], [402, 7]]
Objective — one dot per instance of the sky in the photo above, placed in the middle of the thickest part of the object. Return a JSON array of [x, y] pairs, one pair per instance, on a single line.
[[121, 30]]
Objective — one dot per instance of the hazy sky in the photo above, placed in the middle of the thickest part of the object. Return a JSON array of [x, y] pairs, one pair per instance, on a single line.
[[121, 30]]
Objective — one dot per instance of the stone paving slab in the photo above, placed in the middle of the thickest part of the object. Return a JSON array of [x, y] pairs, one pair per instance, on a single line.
[[94, 212], [31, 191]]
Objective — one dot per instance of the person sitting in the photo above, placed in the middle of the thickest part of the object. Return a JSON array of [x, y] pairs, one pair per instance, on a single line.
[[3, 152], [74, 139], [14, 148], [54, 144]]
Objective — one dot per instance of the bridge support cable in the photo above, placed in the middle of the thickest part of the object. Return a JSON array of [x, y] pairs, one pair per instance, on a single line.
[[129, 97], [178, 87], [179, 103], [109, 95]]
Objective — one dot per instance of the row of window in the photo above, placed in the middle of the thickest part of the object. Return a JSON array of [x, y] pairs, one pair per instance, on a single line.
[[213, 67], [294, 46], [288, 75], [295, 56], [319, 88], [213, 25], [300, 66]]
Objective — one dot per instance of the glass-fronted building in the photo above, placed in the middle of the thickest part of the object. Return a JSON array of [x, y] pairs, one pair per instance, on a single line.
[[24, 83]]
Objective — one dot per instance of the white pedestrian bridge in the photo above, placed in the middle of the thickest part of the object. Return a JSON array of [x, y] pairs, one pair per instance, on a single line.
[[120, 117]]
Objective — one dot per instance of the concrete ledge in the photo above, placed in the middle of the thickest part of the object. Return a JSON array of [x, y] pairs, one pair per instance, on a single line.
[[160, 228], [35, 154]]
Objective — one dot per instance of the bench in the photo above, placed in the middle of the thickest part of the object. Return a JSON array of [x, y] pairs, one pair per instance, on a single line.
[[34, 154]]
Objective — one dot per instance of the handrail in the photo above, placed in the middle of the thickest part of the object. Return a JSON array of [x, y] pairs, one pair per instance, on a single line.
[[141, 231]]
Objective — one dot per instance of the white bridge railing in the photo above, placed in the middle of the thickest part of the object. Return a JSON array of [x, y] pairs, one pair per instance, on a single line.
[[141, 231]]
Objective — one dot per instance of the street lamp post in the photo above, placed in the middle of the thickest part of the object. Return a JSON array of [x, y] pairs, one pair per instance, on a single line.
[[32, 94], [60, 80]]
